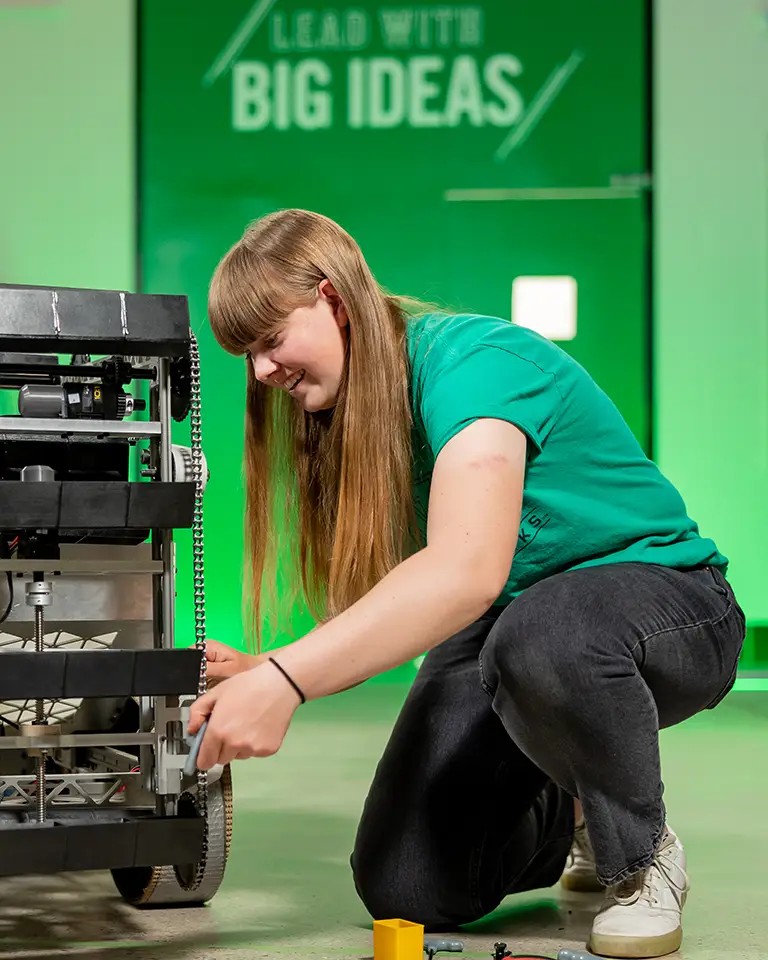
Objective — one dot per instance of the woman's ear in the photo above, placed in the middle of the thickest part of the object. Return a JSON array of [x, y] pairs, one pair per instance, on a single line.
[[328, 292]]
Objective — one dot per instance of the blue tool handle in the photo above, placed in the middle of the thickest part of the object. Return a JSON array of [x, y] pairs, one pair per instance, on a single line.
[[191, 765], [575, 955]]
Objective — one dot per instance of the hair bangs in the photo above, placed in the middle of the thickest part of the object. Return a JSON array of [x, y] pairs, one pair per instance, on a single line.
[[246, 301]]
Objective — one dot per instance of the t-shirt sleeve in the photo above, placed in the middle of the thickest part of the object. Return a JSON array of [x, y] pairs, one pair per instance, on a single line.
[[474, 379]]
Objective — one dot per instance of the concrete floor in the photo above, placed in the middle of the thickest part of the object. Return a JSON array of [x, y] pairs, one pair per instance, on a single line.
[[288, 891]]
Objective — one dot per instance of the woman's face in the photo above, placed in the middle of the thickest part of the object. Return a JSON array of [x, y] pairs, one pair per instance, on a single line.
[[306, 356]]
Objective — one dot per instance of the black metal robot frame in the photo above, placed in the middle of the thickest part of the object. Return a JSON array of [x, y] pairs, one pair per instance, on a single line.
[[94, 693]]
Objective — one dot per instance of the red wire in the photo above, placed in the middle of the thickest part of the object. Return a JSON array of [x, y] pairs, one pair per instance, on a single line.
[[133, 770]]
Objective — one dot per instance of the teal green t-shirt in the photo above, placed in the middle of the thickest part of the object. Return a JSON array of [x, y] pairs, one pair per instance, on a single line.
[[591, 495]]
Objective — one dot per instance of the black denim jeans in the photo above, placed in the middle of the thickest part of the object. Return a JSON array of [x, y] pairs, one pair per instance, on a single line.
[[559, 695]]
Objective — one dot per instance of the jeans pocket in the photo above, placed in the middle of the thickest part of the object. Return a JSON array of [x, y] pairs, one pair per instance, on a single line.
[[723, 587]]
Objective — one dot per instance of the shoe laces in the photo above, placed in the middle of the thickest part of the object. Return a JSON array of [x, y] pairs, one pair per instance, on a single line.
[[643, 887]]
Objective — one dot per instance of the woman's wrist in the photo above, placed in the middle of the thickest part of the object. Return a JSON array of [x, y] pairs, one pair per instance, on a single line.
[[252, 660], [288, 679]]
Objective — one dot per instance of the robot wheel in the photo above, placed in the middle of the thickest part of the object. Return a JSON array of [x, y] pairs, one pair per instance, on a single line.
[[146, 887]]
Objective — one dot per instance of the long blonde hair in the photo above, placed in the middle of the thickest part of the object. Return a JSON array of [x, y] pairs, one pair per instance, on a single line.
[[336, 484]]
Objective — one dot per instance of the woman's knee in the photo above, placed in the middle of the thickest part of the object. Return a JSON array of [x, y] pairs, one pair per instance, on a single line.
[[547, 641], [393, 888]]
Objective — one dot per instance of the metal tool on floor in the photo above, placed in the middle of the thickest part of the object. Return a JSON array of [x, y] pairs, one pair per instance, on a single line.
[[431, 947], [502, 953]]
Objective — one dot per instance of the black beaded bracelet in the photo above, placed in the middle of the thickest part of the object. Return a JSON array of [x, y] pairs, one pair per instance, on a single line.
[[289, 679]]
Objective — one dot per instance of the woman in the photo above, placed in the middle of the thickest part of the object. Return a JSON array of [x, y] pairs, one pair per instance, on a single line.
[[461, 486]]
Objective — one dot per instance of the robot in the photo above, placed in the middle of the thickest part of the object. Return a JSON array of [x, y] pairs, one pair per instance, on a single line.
[[94, 693]]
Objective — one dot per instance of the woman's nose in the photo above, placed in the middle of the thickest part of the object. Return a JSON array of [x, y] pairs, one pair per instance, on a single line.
[[263, 367]]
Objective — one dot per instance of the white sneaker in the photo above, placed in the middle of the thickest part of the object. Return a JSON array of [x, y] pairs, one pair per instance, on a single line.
[[579, 873], [641, 916]]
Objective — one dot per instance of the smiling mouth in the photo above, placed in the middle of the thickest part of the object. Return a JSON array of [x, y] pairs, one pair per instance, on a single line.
[[291, 385]]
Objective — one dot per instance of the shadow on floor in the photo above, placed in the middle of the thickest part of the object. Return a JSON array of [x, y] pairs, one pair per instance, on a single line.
[[555, 916], [287, 880], [47, 910], [285, 877]]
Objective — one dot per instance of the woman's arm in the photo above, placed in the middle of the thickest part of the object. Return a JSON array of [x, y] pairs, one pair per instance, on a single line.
[[474, 517]]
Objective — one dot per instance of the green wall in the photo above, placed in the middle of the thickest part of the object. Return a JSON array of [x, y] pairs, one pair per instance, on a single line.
[[67, 133], [67, 196], [711, 253]]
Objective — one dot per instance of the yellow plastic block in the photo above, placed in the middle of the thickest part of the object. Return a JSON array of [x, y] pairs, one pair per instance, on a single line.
[[398, 940]]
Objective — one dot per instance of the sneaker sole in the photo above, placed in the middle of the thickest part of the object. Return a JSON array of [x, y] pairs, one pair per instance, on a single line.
[[583, 883], [636, 948]]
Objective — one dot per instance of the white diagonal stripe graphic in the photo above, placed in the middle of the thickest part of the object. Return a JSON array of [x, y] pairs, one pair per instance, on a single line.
[[238, 40], [555, 83]]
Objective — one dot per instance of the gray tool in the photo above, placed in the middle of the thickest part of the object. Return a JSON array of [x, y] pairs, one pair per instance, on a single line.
[[431, 947], [575, 955], [194, 749]]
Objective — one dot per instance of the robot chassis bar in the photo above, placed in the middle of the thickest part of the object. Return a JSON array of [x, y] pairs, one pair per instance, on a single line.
[[94, 694]]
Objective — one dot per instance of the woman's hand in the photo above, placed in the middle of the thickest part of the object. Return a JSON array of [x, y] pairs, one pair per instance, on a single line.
[[224, 662], [248, 716]]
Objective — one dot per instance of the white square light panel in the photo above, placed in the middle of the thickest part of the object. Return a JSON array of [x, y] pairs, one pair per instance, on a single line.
[[547, 305]]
